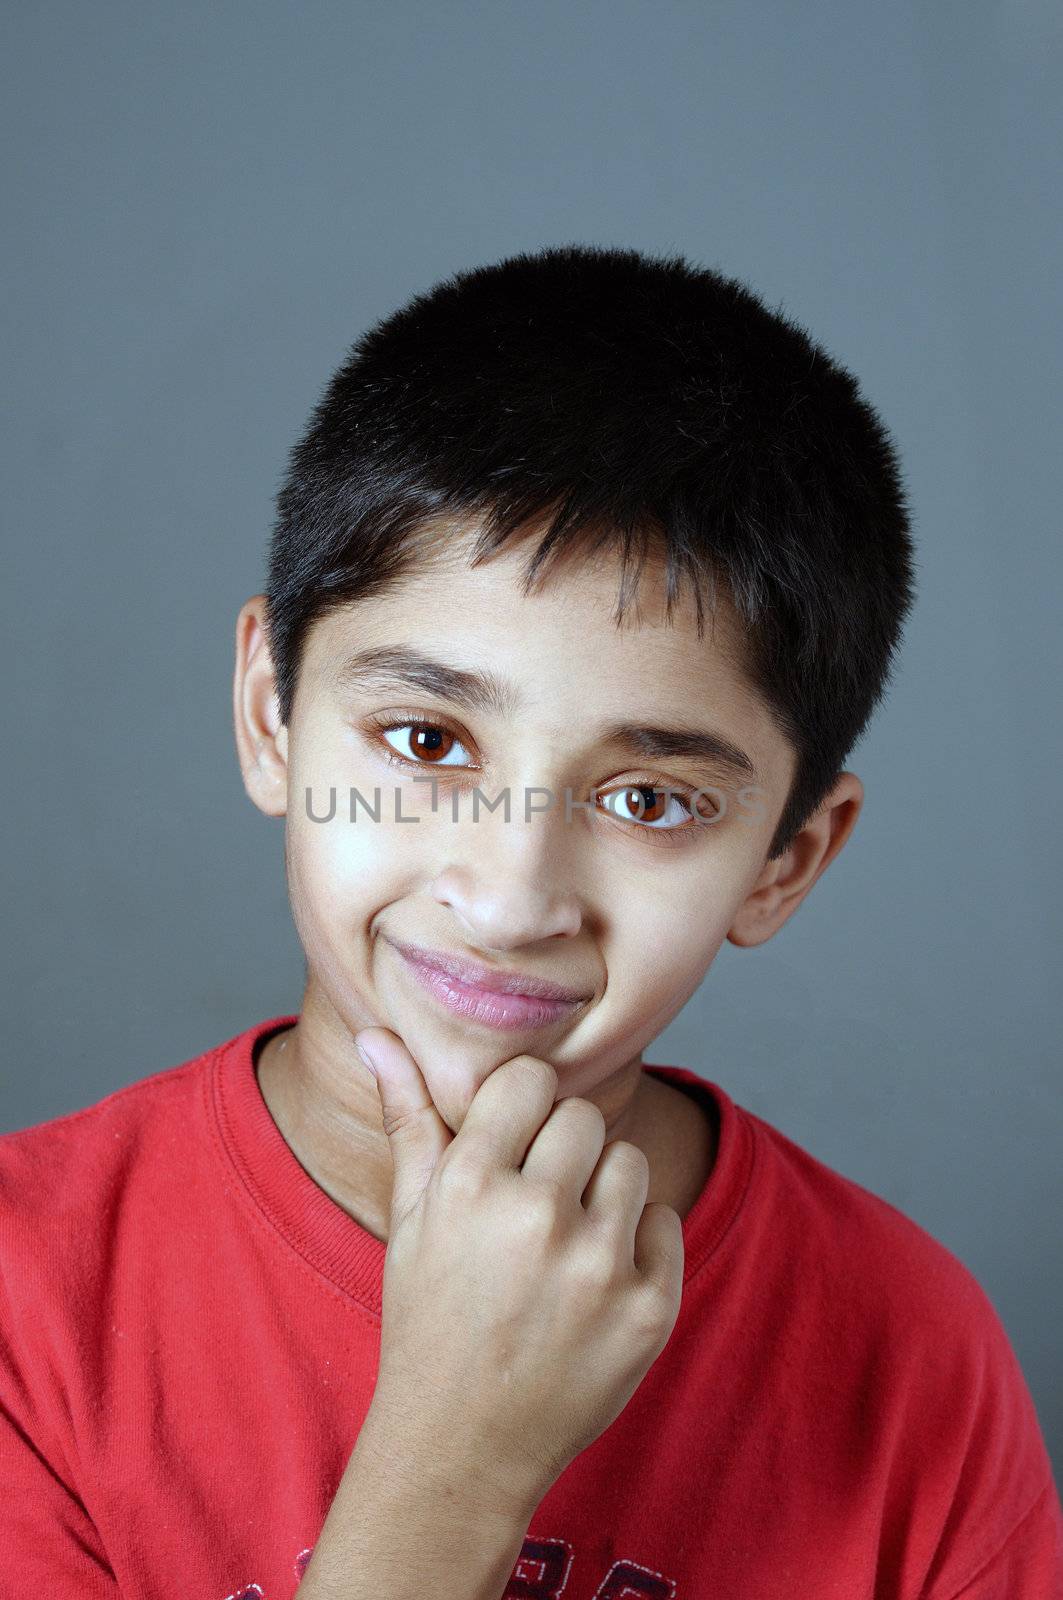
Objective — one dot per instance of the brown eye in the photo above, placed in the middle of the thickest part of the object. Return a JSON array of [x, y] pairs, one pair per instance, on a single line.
[[429, 744], [652, 802], [649, 807]]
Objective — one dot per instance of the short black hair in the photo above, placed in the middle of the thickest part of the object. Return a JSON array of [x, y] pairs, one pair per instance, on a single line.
[[615, 397]]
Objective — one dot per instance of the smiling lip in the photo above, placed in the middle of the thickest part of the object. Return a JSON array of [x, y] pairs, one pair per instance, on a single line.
[[485, 978], [494, 1007]]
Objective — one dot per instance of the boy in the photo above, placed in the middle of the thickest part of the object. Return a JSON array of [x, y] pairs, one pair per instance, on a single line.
[[437, 1288]]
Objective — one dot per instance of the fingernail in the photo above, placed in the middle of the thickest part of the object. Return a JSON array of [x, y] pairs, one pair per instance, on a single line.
[[366, 1057]]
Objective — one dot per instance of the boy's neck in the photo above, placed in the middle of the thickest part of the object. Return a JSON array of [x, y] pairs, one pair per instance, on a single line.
[[343, 1149]]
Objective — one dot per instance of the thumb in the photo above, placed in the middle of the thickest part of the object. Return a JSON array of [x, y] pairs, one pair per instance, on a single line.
[[417, 1134]]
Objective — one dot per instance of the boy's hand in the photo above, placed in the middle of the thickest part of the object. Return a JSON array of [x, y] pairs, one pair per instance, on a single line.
[[527, 1286]]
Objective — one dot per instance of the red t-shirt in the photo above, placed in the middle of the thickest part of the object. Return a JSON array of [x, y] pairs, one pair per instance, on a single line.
[[189, 1337]]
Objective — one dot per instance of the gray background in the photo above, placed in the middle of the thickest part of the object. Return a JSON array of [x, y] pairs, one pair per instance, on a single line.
[[205, 205]]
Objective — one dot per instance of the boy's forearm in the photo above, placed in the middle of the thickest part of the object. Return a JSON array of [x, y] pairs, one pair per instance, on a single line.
[[404, 1524]]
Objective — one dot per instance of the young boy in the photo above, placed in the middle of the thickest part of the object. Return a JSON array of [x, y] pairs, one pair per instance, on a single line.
[[587, 576]]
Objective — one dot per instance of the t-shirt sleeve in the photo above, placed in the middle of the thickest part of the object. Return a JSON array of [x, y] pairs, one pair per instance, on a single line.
[[1029, 1564], [48, 1544], [1001, 1533]]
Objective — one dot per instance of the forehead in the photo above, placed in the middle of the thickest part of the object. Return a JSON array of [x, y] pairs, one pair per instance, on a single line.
[[575, 601]]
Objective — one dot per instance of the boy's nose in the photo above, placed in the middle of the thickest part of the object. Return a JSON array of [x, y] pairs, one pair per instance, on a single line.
[[510, 884]]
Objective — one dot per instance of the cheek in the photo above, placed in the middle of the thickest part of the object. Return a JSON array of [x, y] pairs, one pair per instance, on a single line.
[[340, 862], [663, 946], [340, 872]]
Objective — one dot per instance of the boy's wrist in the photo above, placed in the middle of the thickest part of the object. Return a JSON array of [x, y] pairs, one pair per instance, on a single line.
[[407, 1520], [447, 1471]]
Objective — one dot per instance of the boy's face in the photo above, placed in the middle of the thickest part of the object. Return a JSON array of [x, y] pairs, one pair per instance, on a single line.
[[630, 913]]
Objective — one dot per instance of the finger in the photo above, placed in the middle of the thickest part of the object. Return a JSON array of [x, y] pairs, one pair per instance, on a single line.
[[417, 1134], [616, 1194], [507, 1111], [568, 1145], [660, 1251]]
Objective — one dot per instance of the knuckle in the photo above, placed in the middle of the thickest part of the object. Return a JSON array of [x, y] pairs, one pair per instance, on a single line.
[[540, 1072], [590, 1113], [656, 1309], [540, 1207], [629, 1159], [395, 1121], [597, 1266], [461, 1179], [646, 1304]]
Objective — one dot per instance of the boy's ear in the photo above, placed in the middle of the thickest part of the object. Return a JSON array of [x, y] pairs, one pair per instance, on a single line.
[[783, 884], [261, 737]]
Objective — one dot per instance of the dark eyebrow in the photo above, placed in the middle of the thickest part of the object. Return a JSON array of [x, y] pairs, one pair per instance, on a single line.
[[387, 666], [654, 743]]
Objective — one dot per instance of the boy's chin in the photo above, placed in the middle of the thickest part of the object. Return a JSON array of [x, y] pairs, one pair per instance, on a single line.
[[455, 1059], [454, 1070]]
